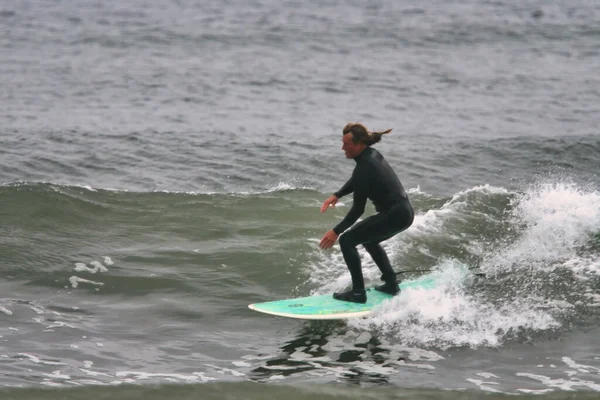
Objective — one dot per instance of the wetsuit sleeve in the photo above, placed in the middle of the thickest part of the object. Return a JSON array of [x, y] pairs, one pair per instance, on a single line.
[[361, 193], [346, 189]]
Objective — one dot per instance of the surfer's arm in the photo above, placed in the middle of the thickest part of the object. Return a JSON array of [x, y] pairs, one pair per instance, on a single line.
[[332, 200], [361, 192], [346, 189]]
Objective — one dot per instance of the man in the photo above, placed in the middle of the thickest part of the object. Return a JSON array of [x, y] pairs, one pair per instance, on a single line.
[[374, 179]]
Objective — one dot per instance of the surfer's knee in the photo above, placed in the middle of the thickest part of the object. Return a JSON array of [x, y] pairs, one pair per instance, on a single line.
[[346, 240]]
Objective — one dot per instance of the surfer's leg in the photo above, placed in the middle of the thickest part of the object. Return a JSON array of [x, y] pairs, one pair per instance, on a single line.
[[370, 233], [352, 258], [348, 242], [403, 217], [371, 230], [357, 294], [382, 261]]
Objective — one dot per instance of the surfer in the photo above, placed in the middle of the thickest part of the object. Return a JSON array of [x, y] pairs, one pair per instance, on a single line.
[[373, 178]]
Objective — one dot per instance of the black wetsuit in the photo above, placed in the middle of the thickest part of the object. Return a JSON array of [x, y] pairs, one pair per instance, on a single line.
[[373, 178]]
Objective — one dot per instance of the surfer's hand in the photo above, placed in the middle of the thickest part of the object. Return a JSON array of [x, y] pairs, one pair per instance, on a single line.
[[328, 240], [330, 202]]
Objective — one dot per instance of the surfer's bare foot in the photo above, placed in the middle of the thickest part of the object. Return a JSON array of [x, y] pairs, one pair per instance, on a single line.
[[355, 296], [389, 288]]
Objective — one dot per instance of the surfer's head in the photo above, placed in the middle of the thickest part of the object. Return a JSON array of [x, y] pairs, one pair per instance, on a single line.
[[356, 138]]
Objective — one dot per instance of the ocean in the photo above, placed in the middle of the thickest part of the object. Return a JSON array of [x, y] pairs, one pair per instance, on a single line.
[[163, 163]]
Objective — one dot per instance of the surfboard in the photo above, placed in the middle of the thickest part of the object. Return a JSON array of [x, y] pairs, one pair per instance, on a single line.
[[326, 307]]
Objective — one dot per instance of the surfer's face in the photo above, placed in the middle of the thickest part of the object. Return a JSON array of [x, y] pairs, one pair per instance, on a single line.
[[350, 148]]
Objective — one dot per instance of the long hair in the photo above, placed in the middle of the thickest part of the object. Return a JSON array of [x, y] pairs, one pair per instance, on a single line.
[[360, 133]]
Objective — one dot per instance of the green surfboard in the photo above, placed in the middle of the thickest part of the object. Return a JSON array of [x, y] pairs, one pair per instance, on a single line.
[[326, 307]]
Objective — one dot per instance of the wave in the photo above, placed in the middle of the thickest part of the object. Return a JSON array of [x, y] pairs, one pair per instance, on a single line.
[[538, 249], [32, 185], [251, 390]]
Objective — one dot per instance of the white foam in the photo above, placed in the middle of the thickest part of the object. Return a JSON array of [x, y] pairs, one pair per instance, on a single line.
[[415, 354], [37, 360], [5, 311], [562, 384], [57, 375], [241, 364], [371, 368], [280, 367], [338, 343], [487, 375], [532, 391], [37, 310], [108, 261], [51, 384], [594, 299], [579, 367], [557, 218], [280, 187], [222, 370], [96, 266], [338, 372], [300, 355], [194, 377], [417, 190], [363, 338], [93, 373], [402, 363], [585, 267], [446, 316], [554, 221], [58, 324], [483, 385], [75, 281]]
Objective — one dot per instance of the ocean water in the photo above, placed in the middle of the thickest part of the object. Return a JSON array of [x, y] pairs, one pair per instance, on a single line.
[[162, 166]]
